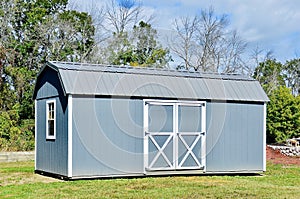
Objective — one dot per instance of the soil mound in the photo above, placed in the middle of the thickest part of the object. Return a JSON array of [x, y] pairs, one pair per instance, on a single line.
[[276, 157]]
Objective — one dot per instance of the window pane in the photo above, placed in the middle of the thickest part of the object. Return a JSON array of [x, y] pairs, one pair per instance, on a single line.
[[189, 118], [51, 111], [51, 127], [160, 118], [50, 115]]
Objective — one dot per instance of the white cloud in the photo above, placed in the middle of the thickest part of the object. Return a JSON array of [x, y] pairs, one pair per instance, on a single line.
[[270, 24], [265, 18]]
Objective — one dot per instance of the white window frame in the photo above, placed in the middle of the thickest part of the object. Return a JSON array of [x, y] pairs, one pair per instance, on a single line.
[[50, 137]]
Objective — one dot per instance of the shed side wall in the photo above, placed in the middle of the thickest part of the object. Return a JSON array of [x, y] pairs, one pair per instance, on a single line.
[[107, 136], [51, 155], [234, 137]]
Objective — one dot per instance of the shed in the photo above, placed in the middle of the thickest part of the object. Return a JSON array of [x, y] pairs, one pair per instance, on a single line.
[[103, 121]]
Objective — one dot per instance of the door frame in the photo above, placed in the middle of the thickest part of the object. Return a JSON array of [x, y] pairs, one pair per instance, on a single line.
[[175, 104]]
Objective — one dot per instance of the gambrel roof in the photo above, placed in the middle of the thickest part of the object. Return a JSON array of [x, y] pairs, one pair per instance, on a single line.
[[122, 81]]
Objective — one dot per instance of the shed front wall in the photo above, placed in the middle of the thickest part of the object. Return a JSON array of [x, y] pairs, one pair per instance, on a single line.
[[51, 155], [107, 136], [235, 137]]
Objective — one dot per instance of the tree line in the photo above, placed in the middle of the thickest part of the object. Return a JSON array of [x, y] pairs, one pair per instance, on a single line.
[[121, 33], [281, 83]]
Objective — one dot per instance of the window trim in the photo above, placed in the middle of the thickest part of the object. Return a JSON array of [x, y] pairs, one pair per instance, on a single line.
[[50, 137]]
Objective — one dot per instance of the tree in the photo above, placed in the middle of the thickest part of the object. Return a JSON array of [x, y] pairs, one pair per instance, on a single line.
[[283, 111], [117, 18], [123, 13], [32, 32], [15, 136], [33, 38], [231, 60], [24, 38], [71, 38], [283, 116], [269, 74], [205, 43], [183, 44], [257, 55], [148, 51], [119, 50], [210, 40], [137, 48], [291, 74], [22, 80]]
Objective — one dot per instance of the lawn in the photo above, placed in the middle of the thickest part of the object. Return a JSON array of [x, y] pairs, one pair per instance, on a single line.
[[17, 180]]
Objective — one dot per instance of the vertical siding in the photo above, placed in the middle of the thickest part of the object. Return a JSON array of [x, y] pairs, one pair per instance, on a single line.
[[234, 137], [107, 136], [48, 84], [51, 155]]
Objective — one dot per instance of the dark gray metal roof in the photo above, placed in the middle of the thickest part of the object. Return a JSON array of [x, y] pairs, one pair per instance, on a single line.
[[91, 79]]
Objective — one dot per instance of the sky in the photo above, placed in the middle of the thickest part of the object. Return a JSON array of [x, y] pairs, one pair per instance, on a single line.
[[267, 24]]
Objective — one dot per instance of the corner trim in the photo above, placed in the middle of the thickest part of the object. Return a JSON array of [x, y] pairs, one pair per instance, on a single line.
[[145, 130], [203, 140], [35, 133], [265, 137], [70, 138]]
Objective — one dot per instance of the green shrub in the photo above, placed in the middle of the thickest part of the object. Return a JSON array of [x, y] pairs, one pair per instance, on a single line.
[[14, 136], [283, 116]]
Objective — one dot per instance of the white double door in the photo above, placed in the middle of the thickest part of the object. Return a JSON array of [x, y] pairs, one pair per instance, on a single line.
[[174, 135]]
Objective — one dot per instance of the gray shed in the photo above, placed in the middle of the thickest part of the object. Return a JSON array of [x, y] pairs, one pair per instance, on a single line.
[[103, 121]]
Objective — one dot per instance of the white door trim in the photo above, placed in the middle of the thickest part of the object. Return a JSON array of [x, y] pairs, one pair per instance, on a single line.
[[176, 136]]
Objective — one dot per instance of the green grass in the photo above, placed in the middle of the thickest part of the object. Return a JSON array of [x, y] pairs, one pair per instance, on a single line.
[[18, 181]]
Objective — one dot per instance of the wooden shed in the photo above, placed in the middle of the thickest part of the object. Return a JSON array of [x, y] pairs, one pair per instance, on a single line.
[[102, 121]]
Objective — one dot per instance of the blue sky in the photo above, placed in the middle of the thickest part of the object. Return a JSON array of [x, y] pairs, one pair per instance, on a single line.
[[269, 24]]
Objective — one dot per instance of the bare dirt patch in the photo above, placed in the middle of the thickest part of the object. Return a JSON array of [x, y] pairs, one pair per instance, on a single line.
[[15, 173], [276, 157]]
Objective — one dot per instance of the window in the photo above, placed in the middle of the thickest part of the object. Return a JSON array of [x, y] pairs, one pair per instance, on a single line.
[[50, 123]]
